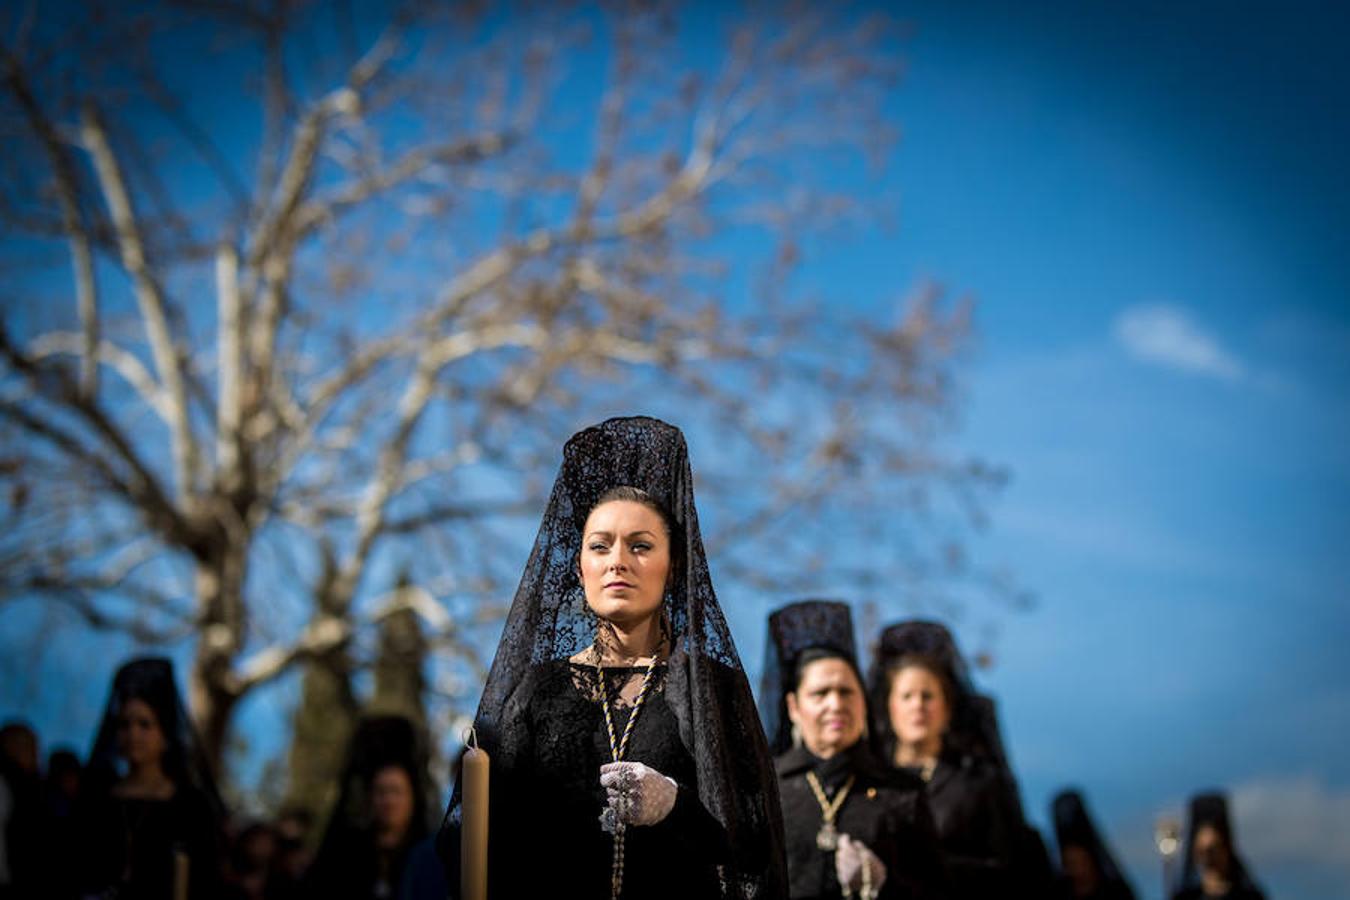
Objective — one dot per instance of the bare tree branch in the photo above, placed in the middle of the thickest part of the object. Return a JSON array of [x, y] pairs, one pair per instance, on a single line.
[[150, 298]]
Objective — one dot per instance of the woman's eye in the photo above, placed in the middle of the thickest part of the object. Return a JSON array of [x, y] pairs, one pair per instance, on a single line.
[[641, 547], [598, 548]]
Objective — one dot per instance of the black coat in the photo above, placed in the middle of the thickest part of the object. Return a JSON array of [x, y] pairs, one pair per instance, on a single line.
[[885, 809], [977, 825]]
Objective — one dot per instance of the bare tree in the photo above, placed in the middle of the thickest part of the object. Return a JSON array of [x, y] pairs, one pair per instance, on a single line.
[[294, 297]]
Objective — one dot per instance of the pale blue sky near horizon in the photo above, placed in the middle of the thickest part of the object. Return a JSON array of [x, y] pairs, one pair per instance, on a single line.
[[1150, 207]]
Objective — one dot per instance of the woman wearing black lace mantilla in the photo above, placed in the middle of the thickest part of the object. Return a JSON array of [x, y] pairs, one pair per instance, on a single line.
[[627, 759], [934, 724], [855, 826], [148, 817]]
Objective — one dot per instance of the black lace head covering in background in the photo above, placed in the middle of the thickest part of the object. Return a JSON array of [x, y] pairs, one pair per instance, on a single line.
[[550, 620], [151, 681], [806, 625], [1211, 808], [380, 742], [344, 860], [1074, 826], [974, 723]]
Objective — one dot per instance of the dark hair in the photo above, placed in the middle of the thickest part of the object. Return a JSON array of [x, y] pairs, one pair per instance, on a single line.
[[635, 495], [62, 761], [816, 654]]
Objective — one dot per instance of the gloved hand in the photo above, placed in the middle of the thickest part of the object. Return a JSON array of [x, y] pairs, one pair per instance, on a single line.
[[849, 859], [638, 794]]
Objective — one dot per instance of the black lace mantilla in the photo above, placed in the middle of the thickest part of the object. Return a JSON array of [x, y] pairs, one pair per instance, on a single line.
[[825, 624]]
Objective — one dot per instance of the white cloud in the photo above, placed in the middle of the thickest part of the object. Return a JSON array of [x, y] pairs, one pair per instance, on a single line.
[[1166, 336], [1293, 819]]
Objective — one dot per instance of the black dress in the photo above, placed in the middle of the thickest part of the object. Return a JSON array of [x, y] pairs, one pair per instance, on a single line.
[[129, 845], [885, 809], [545, 803], [976, 824], [1237, 892]]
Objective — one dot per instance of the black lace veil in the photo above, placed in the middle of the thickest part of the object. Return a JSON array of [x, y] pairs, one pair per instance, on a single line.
[[151, 680], [805, 625], [549, 620], [1211, 808], [1074, 825], [974, 726], [379, 742]]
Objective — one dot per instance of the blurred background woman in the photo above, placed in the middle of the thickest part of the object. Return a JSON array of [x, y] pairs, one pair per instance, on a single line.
[[380, 814], [935, 726], [1087, 868], [1211, 865], [854, 826], [148, 813]]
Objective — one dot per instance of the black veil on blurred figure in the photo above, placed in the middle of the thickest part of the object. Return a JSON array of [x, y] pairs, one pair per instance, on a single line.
[[974, 727], [347, 860], [549, 620], [1074, 827], [151, 680], [128, 844], [826, 624], [1211, 808]]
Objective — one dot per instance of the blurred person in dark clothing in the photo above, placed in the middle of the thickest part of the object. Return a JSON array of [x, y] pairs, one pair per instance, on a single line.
[[148, 808], [854, 826], [1088, 870], [60, 797], [381, 814], [61, 786], [292, 856], [934, 725], [1211, 864], [20, 812], [251, 861]]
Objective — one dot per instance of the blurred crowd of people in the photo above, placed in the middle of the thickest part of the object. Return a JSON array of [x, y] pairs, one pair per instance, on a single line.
[[141, 817]]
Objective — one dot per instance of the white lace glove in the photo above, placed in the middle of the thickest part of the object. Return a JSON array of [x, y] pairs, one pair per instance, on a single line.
[[638, 794], [850, 858]]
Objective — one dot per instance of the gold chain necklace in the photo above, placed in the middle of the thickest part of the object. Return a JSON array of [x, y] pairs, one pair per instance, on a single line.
[[827, 838], [618, 746]]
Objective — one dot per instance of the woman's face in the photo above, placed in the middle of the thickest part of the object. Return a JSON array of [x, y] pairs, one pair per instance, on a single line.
[[625, 562], [1211, 850], [918, 707], [140, 740], [391, 799], [1080, 869], [828, 707]]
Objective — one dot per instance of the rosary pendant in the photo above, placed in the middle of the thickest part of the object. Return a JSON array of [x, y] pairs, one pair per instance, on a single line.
[[827, 838], [609, 820]]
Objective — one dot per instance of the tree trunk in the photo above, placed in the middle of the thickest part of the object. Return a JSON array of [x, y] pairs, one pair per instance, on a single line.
[[212, 694], [324, 722], [399, 681]]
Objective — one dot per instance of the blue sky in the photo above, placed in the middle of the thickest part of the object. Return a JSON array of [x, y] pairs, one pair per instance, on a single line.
[[1150, 206]]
